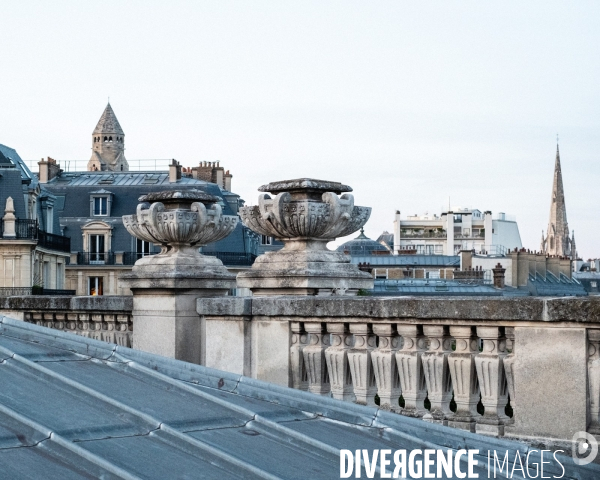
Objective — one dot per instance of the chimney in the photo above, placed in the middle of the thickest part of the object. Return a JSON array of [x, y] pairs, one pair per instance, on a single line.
[[498, 276], [174, 171], [227, 181], [48, 169]]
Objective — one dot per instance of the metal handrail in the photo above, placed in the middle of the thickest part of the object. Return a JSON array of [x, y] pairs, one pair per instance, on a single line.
[[92, 258], [137, 165]]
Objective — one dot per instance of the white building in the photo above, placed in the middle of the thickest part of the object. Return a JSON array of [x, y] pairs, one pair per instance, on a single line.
[[454, 230]]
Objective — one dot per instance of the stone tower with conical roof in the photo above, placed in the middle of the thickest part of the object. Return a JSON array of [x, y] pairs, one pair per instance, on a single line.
[[557, 240], [108, 144]]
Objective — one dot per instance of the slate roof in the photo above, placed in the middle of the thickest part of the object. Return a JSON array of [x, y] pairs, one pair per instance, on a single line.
[[73, 192], [72, 407], [15, 178], [108, 123]]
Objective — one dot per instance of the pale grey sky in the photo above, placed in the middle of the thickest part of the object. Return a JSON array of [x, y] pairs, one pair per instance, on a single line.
[[408, 102]]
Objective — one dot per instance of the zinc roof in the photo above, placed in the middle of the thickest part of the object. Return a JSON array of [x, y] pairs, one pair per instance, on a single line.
[[72, 407]]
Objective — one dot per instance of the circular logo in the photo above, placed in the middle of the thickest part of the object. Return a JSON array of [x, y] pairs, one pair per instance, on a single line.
[[585, 448]]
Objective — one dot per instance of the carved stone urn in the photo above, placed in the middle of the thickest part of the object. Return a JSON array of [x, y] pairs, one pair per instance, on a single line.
[[180, 222], [165, 286], [305, 214]]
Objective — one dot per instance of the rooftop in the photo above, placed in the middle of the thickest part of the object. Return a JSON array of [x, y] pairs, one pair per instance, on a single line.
[[72, 407]]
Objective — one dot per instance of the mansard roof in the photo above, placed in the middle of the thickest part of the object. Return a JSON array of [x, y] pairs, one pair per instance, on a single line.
[[108, 123]]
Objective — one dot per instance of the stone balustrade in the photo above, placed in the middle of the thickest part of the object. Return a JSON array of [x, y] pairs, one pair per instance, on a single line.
[[517, 367], [102, 318]]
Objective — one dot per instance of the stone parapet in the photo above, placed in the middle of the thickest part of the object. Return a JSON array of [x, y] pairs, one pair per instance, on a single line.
[[523, 368]]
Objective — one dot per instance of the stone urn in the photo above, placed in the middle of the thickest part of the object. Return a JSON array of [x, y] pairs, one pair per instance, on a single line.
[[180, 222], [305, 214]]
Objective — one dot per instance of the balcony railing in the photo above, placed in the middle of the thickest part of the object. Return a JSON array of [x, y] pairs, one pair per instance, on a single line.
[[413, 234], [29, 230], [54, 242], [91, 258], [233, 258], [25, 228]]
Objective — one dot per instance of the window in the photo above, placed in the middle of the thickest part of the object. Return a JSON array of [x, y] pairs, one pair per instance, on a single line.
[[96, 249], [381, 273], [95, 286], [142, 248], [46, 275], [593, 284], [60, 276], [101, 206], [266, 240]]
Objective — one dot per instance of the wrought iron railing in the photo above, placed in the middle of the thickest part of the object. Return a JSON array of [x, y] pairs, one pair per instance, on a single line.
[[25, 228], [92, 258], [29, 229], [54, 242], [234, 258]]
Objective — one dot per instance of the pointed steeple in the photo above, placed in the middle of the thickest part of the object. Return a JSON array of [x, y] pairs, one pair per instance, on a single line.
[[108, 144], [108, 123], [557, 241]]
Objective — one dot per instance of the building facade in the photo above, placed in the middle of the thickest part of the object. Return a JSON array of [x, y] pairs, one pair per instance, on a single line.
[[454, 230], [32, 254]]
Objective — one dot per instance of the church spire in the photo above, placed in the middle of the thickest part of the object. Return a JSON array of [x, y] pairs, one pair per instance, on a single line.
[[558, 240]]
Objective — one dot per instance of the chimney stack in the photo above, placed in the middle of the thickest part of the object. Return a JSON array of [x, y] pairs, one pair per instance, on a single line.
[[174, 171], [499, 276]]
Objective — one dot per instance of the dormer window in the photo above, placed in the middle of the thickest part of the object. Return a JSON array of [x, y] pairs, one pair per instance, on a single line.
[[100, 206], [100, 203]]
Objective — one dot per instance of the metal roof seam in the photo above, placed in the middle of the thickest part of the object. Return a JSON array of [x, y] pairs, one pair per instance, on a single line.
[[89, 391], [147, 418], [72, 447], [217, 452]]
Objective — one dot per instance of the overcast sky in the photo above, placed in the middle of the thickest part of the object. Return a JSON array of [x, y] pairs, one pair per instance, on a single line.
[[410, 103]]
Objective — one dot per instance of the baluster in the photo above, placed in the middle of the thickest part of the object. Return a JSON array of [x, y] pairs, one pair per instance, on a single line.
[[299, 341], [37, 318], [492, 381], [385, 367], [59, 321], [314, 359], [410, 368], [464, 378], [71, 325], [361, 367], [121, 328], [83, 324], [436, 372], [594, 380], [108, 327], [48, 320], [337, 362], [96, 326], [509, 363]]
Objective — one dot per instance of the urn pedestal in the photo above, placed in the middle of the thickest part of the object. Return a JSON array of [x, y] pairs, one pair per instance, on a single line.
[[165, 286], [305, 215]]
